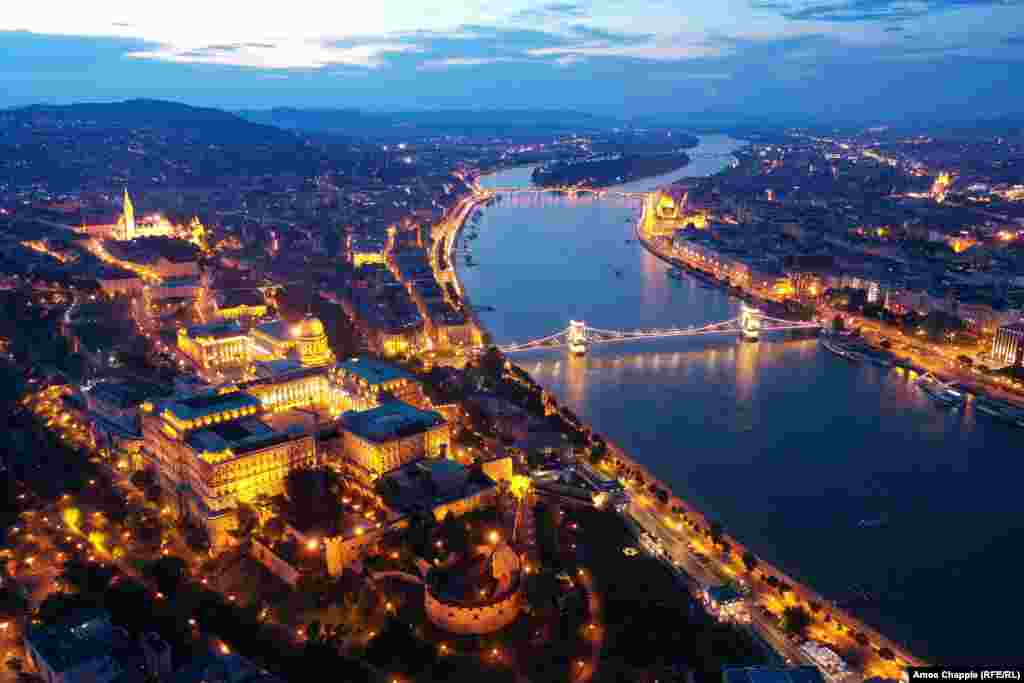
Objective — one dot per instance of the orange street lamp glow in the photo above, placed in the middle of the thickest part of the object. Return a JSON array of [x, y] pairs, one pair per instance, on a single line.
[[494, 537], [313, 544]]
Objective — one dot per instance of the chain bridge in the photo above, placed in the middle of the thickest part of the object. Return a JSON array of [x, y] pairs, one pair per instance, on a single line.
[[578, 336]]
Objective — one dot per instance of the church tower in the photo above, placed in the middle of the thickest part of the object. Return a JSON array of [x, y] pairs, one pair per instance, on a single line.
[[128, 216]]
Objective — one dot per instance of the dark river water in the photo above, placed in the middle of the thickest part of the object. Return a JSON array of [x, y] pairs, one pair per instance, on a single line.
[[787, 445]]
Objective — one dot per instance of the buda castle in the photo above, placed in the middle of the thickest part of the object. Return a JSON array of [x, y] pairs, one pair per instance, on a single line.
[[234, 442]]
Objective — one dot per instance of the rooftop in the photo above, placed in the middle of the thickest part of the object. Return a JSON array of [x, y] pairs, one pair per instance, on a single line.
[[126, 392], [275, 329], [241, 434], [724, 594], [215, 330], [429, 482], [233, 298], [201, 405], [373, 371], [151, 249], [78, 640], [389, 421]]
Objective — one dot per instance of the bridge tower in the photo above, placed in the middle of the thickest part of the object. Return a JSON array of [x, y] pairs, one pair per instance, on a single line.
[[750, 323], [577, 337]]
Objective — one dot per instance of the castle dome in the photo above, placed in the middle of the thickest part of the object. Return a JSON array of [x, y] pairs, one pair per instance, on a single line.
[[309, 328]]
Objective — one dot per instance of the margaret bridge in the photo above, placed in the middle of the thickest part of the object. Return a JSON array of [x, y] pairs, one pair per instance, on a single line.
[[750, 324], [570, 191]]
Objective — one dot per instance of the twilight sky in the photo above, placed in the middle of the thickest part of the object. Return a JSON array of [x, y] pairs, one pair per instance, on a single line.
[[845, 58]]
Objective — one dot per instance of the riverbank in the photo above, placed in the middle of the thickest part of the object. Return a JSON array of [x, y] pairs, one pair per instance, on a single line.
[[608, 172], [800, 588], [765, 305]]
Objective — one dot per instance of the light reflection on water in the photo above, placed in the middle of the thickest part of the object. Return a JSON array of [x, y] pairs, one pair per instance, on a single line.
[[788, 445]]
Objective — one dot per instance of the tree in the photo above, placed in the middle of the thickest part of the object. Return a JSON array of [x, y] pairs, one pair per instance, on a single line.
[[542, 589], [492, 363], [154, 495], [58, 606], [143, 479], [246, 522], [85, 577], [886, 653], [861, 639], [716, 531], [837, 324], [454, 534], [169, 572], [274, 528], [796, 621], [750, 561]]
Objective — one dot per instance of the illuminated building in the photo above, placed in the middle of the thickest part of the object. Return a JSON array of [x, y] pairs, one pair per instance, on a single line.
[[215, 345], [129, 227], [213, 451], [305, 340], [475, 595], [367, 379], [726, 603], [297, 387], [666, 207], [941, 186], [391, 435], [439, 485], [85, 647], [114, 281], [1008, 344], [154, 257], [196, 234], [126, 224], [364, 250], [239, 304]]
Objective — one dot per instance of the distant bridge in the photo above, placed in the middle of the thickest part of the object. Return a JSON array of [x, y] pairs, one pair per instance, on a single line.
[[578, 335], [569, 190]]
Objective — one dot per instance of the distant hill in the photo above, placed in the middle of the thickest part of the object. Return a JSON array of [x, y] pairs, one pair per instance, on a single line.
[[198, 122], [494, 122]]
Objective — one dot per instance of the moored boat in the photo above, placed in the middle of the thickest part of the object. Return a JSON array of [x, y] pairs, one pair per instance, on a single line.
[[940, 392]]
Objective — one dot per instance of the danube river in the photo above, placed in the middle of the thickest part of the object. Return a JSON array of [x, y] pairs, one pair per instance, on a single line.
[[785, 444]]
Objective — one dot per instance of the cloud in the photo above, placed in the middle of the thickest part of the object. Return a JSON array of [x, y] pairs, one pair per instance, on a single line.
[[554, 10], [442, 64], [616, 37], [284, 55], [850, 11]]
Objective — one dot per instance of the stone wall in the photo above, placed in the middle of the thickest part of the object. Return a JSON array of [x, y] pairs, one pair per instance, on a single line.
[[272, 561], [473, 620]]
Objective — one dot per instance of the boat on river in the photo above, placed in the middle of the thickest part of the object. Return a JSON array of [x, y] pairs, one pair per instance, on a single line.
[[841, 352], [1000, 410], [939, 391]]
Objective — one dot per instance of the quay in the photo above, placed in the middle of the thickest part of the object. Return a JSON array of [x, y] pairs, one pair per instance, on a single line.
[[649, 518]]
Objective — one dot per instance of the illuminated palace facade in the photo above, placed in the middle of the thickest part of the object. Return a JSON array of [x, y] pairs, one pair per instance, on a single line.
[[305, 341], [227, 344], [215, 345], [220, 447], [393, 434], [213, 451]]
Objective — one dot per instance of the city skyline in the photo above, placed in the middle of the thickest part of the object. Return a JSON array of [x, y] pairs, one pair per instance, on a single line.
[[876, 59]]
